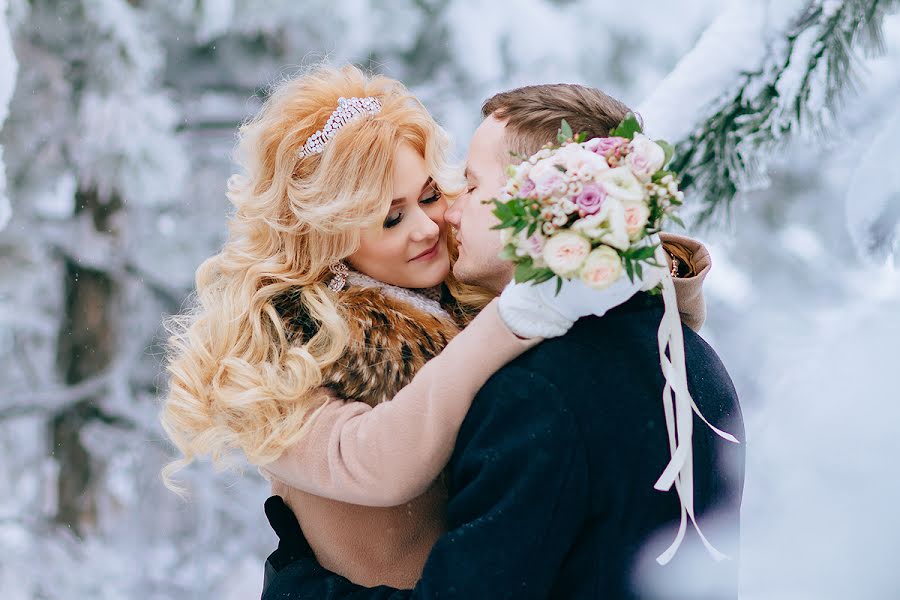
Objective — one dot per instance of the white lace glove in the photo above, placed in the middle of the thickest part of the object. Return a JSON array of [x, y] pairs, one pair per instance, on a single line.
[[537, 311]]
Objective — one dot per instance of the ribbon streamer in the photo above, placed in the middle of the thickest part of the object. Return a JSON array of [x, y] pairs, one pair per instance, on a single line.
[[679, 408]]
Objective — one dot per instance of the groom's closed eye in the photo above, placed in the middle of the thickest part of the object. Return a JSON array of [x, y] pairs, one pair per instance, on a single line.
[[471, 181]]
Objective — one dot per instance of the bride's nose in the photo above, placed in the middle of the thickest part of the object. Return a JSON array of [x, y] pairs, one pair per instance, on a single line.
[[425, 228]]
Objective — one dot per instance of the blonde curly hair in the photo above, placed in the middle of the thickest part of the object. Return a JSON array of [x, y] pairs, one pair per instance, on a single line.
[[235, 382]]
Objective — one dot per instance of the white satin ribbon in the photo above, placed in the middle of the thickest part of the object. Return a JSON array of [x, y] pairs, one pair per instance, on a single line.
[[679, 408]]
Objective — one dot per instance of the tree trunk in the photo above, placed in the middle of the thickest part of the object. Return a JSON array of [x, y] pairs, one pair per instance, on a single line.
[[85, 349]]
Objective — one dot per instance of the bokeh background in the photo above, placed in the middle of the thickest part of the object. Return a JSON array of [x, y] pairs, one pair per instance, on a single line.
[[118, 118]]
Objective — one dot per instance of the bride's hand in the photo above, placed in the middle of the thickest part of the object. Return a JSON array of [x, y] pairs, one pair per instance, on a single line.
[[538, 311]]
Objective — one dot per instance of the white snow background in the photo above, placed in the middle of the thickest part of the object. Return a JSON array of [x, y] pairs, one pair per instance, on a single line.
[[134, 106]]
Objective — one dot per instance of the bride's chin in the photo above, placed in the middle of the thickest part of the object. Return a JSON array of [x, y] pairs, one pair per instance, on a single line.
[[435, 276]]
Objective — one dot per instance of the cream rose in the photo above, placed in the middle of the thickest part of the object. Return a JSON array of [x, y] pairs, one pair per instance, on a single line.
[[601, 268], [645, 158], [565, 252], [622, 184], [636, 215]]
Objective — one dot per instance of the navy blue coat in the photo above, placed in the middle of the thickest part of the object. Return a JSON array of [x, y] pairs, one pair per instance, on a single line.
[[551, 482]]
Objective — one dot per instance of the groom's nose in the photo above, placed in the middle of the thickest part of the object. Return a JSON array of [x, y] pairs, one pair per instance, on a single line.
[[454, 212]]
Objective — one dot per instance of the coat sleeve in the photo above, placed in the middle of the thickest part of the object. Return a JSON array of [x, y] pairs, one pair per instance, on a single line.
[[689, 290], [518, 499], [390, 454]]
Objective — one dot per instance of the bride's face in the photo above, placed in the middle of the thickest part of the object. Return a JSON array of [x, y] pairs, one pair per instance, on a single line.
[[408, 248]]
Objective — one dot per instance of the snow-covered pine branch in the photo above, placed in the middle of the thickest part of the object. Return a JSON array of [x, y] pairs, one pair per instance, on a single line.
[[754, 92], [8, 71]]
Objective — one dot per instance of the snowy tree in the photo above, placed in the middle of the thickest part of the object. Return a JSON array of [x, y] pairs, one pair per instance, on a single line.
[[8, 69], [786, 68], [115, 148]]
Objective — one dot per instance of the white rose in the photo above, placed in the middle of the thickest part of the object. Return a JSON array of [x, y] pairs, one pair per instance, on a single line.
[[533, 245], [542, 169], [584, 162], [622, 184], [540, 155], [592, 226], [601, 268], [547, 178], [522, 169], [636, 215], [565, 252], [607, 226], [645, 158]]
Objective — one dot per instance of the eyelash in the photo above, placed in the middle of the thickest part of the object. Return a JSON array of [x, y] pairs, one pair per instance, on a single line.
[[389, 223]]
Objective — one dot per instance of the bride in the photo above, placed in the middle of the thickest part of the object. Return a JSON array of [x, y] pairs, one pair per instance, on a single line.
[[328, 341]]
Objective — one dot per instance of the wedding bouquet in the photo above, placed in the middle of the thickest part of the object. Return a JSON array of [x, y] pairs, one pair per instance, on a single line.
[[588, 208], [588, 212]]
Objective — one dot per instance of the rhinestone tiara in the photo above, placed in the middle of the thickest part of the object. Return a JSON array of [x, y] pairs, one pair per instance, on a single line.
[[348, 109]]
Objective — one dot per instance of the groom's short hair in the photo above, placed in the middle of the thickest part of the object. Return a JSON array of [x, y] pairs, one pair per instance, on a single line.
[[533, 113]]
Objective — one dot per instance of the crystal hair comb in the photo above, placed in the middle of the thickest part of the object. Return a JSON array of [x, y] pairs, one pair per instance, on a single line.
[[348, 109]]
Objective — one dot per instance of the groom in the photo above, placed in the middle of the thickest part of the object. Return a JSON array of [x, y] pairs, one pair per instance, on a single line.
[[551, 481]]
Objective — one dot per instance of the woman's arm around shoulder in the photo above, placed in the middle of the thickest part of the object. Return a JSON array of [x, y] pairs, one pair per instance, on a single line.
[[390, 454]]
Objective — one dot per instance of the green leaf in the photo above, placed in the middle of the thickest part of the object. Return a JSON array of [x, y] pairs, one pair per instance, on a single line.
[[675, 219], [524, 272], [639, 270], [643, 253], [559, 283], [581, 137], [565, 130], [501, 210], [543, 275], [532, 228], [628, 127], [629, 270], [657, 177], [508, 252], [668, 149]]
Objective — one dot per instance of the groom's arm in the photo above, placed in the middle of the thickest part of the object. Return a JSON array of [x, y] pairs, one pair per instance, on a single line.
[[518, 499]]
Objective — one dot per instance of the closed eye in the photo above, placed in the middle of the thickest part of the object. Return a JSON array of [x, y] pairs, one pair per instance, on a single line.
[[431, 199], [393, 219]]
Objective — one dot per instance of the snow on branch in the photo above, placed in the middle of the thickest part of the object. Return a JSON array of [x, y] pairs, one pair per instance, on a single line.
[[756, 84], [8, 72]]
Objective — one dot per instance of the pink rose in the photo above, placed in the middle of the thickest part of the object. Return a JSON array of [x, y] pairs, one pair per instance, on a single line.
[[591, 198], [605, 146], [527, 188]]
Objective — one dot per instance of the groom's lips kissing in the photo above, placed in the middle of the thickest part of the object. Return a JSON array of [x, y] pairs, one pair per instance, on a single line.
[[428, 254]]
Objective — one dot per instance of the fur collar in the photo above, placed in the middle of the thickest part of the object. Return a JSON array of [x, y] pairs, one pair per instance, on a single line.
[[393, 333]]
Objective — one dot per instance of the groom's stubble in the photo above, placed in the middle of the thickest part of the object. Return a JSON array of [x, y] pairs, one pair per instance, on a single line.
[[479, 245]]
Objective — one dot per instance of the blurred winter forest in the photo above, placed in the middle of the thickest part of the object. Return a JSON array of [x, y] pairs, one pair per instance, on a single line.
[[118, 117]]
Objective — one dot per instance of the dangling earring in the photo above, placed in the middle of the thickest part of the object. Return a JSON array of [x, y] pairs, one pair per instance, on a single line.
[[339, 280]]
